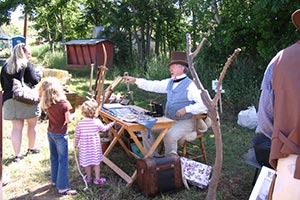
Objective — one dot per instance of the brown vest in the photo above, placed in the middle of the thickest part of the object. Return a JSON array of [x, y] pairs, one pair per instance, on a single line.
[[286, 85]]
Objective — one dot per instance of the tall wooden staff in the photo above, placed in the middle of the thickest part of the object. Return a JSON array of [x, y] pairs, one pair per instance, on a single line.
[[100, 96], [212, 106]]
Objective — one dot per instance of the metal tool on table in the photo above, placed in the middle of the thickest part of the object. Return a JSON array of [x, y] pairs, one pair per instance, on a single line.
[[124, 101]]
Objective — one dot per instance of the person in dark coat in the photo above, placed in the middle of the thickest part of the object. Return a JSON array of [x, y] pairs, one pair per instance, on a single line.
[[19, 67]]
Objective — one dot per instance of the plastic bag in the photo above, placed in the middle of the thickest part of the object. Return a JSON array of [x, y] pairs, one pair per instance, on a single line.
[[248, 118]]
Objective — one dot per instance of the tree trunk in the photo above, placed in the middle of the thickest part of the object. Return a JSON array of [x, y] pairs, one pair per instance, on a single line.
[[49, 37], [63, 35], [216, 11], [148, 40]]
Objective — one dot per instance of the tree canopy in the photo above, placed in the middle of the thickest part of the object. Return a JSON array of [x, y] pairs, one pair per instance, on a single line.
[[145, 29]]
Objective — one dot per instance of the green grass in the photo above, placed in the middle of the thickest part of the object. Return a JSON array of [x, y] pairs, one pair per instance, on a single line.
[[30, 177]]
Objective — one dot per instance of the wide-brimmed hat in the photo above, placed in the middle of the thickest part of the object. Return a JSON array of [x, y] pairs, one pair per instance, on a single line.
[[178, 57], [296, 19]]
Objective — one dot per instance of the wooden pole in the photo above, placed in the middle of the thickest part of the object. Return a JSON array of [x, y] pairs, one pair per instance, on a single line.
[[100, 96], [91, 80], [25, 27]]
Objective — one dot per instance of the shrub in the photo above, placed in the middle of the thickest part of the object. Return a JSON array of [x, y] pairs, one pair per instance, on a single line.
[[241, 82], [39, 51], [55, 60]]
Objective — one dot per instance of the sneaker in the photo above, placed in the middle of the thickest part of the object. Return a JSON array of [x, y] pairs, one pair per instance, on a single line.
[[99, 181], [33, 151], [18, 158], [88, 179], [68, 192]]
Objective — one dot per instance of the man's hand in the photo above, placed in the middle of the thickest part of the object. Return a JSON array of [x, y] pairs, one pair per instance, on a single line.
[[129, 79], [180, 113]]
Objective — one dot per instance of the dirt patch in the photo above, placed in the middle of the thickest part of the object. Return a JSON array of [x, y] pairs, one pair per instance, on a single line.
[[35, 192]]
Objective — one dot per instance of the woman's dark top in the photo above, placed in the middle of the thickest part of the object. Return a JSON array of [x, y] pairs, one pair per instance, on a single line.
[[31, 78]]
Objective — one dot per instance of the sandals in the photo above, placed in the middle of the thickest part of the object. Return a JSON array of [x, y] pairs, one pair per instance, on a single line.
[[18, 158], [29, 151], [33, 151], [68, 192], [52, 184], [88, 179], [100, 181]]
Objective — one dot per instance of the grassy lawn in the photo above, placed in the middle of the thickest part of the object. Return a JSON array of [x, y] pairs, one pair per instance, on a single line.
[[29, 179]]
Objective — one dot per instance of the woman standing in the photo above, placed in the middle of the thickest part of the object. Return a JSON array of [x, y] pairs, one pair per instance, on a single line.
[[16, 66]]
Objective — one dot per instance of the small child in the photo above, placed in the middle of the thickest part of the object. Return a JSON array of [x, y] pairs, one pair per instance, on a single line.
[[55, 103], [87, 138]]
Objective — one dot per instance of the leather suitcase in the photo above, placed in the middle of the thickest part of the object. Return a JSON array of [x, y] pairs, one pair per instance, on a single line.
[[159, 174]]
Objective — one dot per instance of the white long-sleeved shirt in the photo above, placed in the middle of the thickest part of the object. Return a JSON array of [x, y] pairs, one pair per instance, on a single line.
[[194, 94]]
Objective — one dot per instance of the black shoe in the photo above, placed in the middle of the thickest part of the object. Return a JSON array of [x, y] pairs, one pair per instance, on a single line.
[[18, 158], [32, 151]]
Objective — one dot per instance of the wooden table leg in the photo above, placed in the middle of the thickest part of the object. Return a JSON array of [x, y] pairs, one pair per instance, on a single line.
[[137, 142], [133, 178], [110, 164], [117, 136], [156, 142], [118, 170]]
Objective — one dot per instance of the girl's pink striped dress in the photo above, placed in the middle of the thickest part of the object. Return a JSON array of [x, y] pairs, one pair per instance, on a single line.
[[88, 139]]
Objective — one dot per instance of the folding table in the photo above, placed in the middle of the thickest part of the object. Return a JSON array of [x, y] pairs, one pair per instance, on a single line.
[[162, 124]]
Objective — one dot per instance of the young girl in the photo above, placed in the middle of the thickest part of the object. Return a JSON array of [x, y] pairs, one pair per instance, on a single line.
[[88, 140], [55, 103]]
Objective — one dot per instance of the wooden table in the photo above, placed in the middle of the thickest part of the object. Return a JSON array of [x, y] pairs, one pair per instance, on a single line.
[[163, 124]]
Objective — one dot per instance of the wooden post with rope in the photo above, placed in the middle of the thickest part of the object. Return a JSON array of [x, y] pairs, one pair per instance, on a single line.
[[100, 79], [91, 80], [212, 106]]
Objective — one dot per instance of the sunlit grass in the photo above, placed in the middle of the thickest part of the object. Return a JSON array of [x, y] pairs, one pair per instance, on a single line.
[[33, 172], [29, 179]]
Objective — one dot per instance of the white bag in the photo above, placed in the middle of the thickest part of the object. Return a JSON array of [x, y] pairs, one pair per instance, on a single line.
[[195, 173], [248, 118]]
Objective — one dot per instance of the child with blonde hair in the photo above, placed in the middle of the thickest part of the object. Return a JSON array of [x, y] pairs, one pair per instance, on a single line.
[[87, 138], [55, 103]]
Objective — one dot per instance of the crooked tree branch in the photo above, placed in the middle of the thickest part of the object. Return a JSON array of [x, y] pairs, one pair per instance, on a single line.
[[222, 75], [212, 113]]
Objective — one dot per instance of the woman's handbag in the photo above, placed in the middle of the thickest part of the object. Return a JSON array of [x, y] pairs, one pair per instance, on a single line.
[[23, 93]]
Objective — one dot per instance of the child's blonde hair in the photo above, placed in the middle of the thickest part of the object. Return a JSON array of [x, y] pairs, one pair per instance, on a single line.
[[90, 108], [52, 92]]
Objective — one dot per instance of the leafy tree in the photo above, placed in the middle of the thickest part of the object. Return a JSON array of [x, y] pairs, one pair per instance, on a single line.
[[56, 22], [6, 8], [259, 28]]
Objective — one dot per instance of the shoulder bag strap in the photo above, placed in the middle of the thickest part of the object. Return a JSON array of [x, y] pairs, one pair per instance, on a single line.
[[22, 76]]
